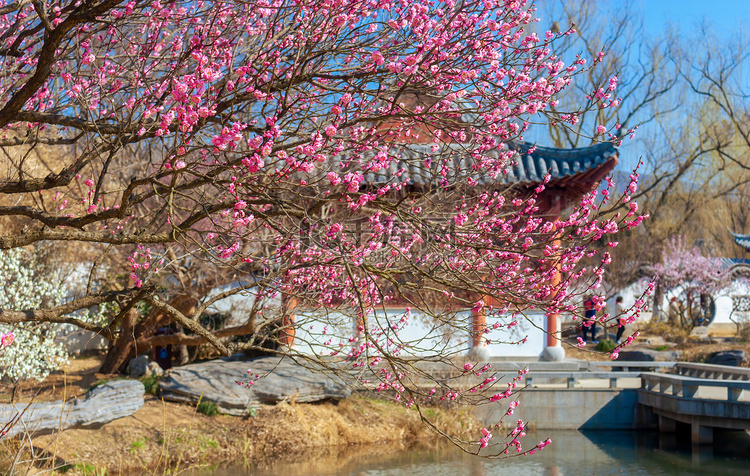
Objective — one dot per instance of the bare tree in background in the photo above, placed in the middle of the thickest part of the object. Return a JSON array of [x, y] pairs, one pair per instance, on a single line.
[[613, 36]]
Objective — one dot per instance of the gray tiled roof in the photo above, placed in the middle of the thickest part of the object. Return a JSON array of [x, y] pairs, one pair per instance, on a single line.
[[743, 241], [559, 163], [420, 164]]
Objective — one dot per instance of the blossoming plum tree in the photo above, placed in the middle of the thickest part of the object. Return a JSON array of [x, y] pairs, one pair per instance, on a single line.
[[328, 155], [691, 278]]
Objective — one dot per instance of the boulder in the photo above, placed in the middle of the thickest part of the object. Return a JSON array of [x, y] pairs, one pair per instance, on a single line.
[[153, 368], [138, 366], [640, 354], [223, 381], [654, 340], [107, 402], [734, 358]]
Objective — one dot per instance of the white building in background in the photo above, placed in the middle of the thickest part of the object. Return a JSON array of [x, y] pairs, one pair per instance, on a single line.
[[325, 332], [415, 334], [728, 307], [732, 308]]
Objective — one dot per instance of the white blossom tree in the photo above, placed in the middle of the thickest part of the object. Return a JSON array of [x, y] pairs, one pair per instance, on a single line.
[[26, 285]]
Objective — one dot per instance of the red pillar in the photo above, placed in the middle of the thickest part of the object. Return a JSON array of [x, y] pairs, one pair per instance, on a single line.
[[554, 350], [287, 331], [478, 325], [553, 320]]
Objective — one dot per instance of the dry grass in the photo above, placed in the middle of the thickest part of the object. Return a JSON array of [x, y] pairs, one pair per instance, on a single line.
[[355, 421], [698, 352], [667, 331], [184, 438], [164, 435]]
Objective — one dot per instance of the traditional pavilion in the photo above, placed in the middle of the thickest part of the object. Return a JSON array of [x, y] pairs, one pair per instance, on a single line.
[[574, 172]]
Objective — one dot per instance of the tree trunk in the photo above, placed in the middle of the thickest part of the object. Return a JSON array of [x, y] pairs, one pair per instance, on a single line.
[[122, 350], [658, 300], [125, 347], [182, 351], [16, 392]]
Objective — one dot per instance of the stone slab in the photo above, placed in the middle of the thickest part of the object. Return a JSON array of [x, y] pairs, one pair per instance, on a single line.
[[222, 381], [642, 354], [107, 402]]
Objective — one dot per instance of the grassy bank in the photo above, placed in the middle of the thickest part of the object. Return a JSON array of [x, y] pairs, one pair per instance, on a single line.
[[167, 437]]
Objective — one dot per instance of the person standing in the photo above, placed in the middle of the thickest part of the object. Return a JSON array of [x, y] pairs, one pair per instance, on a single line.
[[621, 321], [589, 324]]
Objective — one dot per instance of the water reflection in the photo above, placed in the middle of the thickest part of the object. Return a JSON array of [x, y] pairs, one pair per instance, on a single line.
[[571, 453]]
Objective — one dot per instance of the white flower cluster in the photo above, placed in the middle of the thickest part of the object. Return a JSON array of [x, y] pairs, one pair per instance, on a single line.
[[34, 354]]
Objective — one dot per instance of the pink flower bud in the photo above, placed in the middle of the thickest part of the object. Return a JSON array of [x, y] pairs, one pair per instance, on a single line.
[[7, 339]]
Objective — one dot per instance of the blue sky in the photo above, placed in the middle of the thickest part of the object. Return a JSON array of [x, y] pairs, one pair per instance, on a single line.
[[725, 15]]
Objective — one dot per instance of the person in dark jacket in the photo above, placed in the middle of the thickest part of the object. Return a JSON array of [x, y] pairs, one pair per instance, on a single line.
[[620, 320], [589, 323]]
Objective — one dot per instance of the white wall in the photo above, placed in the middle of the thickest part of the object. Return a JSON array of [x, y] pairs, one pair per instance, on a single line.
[[323, 333], [527, 339], [326, 333], [629, 295], [236, 306], [722, 299], [724, 304]]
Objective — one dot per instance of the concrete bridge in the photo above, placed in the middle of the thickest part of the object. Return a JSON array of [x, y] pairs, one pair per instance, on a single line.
[[632, 395], [700, 395]]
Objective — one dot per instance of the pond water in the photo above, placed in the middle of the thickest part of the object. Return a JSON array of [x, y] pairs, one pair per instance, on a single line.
[[571, 453]]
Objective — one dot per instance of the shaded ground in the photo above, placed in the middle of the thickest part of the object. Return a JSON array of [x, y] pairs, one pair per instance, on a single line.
[[74, 379]]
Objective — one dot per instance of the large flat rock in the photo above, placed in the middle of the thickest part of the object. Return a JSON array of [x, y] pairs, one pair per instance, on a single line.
[[216, 381], [734, 357], [642, 354], [107, 402]]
